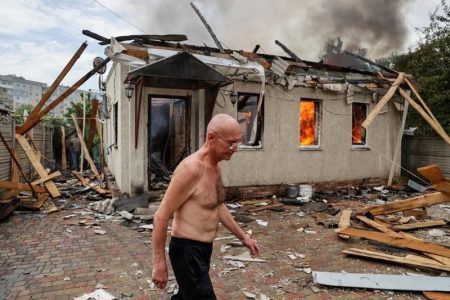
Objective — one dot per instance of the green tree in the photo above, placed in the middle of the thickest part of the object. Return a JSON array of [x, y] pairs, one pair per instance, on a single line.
[[430, 64], [24, 109]]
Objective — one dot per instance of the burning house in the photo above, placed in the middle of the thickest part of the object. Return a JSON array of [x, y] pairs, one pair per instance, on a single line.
[[301, 121]]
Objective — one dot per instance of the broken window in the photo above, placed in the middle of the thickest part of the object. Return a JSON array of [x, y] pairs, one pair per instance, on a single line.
[[309, 122], [248, 119], [359, 112]]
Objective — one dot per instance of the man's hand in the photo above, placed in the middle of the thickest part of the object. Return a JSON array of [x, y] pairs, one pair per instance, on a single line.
[[160, 275], [252, 246]]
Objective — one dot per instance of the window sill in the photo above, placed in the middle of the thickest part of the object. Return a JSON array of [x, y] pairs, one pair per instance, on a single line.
[[360, 148], [248, 148], [310, 148]]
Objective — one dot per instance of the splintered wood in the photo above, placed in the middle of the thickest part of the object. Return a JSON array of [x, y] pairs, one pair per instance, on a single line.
[[434, 256]]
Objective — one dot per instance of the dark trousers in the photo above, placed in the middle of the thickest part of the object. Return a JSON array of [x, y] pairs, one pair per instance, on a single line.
[[190, 263]]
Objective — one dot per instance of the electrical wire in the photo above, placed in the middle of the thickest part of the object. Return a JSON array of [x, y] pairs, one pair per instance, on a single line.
[[119, 16]]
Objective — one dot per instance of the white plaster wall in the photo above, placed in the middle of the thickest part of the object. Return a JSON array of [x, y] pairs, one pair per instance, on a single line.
[[282, 161]]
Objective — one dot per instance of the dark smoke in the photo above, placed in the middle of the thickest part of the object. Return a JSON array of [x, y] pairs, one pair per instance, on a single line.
[[303, 26]]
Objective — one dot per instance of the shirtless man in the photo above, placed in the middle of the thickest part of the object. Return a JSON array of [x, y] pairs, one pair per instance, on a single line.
[[195, 198]]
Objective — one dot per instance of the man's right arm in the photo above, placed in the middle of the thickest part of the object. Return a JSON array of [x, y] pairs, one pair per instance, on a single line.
[[180, 189]]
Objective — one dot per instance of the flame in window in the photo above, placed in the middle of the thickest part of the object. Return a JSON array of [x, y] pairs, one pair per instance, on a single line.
[[358, 117], [307, 123]]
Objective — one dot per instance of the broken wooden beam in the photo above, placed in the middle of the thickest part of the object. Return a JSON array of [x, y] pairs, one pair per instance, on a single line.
[[344, 222], [441, 259], [436, 126], [403, 260], [26, 127], [14, 176], [211, 32], [35, 161], [47, 178], [36, 110], [16, 161], [418, 225], [396, 241], [20, 186], [416, 202], [87, 156], [374, 112], [86, 183]]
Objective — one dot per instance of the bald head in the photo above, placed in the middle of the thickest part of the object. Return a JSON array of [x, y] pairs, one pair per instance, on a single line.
[[222, 124]]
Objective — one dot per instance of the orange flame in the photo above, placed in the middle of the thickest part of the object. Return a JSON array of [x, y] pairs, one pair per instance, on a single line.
[[358, 117], [307, 123]]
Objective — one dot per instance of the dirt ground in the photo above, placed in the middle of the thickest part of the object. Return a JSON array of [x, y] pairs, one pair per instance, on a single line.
[[52, 257]]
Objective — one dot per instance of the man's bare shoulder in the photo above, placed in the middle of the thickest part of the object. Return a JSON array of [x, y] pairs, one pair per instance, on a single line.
[[191, 166]]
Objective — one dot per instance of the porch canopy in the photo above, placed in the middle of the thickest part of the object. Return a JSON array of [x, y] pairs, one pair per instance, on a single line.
[[180, 71]]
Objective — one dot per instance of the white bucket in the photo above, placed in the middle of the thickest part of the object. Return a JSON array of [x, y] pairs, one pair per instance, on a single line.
[[306, 190]]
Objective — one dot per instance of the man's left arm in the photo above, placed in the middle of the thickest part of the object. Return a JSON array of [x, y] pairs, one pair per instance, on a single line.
[[228, 221]]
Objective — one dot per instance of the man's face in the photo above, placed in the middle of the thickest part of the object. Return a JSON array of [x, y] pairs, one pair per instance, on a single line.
[[227, 143]]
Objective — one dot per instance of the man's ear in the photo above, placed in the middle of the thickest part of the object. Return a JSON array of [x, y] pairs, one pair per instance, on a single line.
[[210, 136]]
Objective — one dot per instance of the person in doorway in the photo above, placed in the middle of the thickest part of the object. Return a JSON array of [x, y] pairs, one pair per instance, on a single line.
[[195, 198], [75, 152]]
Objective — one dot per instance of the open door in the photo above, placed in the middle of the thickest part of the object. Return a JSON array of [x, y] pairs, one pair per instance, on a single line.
[[168, 135]]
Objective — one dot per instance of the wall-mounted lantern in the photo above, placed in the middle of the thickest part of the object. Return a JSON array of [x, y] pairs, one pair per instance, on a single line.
[[129, 89], [233, 97]]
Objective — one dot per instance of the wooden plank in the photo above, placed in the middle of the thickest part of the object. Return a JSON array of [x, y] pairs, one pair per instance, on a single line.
[[437, 295], [49, 177], [374, 112], [14, 176], [422, 259], [418, 225], [252, 210], [398, 146], [253, 202], [381, 281], [49, 206], [35, 112], [50, 185], [443, 260], [385, 228], [87, 184], [433, 173], [376, 225], [345, 221], [436, 126], [396, 259], [41, 200], [416, 202], [87, 156], [414, 90], [20, 186], [396, 241]]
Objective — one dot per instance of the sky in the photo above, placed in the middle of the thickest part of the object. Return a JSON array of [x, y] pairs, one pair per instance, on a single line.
[[38, 37]]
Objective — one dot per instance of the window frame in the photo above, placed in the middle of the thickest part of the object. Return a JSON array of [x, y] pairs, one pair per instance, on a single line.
[[317, 146], [259, 145], [365, 145]]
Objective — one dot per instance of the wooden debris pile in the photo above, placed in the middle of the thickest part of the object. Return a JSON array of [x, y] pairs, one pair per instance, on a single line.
[[44, 189], [396, 231]]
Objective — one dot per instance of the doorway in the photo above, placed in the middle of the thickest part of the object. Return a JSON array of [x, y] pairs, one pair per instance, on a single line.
[[168, 135]]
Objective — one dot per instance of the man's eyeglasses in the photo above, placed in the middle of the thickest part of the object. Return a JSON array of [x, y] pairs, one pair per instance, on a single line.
[[232, 144]]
